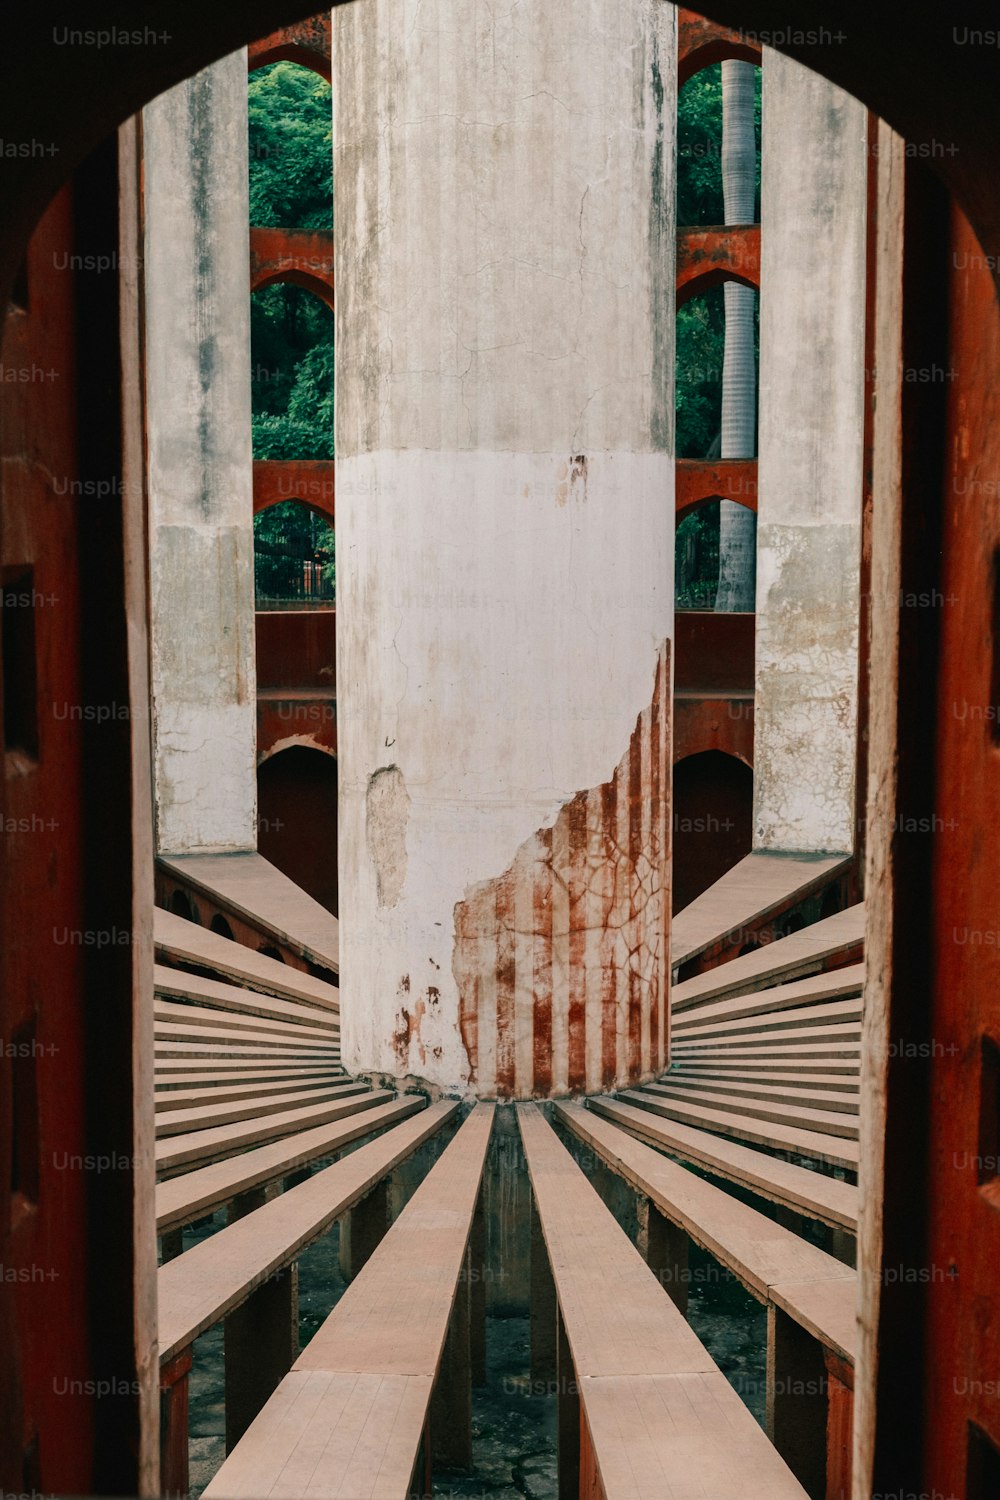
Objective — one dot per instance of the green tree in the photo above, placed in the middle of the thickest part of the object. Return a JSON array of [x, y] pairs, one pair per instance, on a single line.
[[291, 134], [699, 148], [291, 343], [291, 331], [698, 374], [294, 555], [702, 321]]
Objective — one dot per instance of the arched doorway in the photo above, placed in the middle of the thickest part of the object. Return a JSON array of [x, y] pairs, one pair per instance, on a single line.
[[713, 816], [297, 819]]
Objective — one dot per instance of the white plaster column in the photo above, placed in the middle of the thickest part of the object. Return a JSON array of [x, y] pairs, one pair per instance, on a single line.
[[812, 331], [196, 206], [504, 196]]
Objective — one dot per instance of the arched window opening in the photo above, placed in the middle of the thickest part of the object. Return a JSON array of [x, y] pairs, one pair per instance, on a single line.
[[182, 906], [291, 347], [221, 926], [290, 126], [270, 951], [833, 900], [297, 819], [713, 817], [294, 558], [706, 426], [699, 148], [696, 558], [717, 362]]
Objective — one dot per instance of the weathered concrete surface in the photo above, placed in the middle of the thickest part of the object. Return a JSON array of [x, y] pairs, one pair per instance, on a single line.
[[577, 999], [813, 191], [505, 248], [200, 466]]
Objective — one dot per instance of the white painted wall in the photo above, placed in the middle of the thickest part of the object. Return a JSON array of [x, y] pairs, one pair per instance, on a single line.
[[200, 464], [505, 517], [812, 329]]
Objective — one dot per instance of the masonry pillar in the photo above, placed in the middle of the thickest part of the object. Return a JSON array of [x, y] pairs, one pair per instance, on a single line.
[[812, 328], [505, 261], [199, 460]]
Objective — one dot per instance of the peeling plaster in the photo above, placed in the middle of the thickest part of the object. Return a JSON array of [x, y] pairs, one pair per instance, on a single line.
[[562, 961], [387, 811]]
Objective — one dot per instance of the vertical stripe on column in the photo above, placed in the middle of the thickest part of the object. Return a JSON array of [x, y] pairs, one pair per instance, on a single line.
[[609, 937], [657, 874], [644, 877], [524, 977], [575, 876], [542, 968], [664, 698], [560, 960], [484, 948], [619, 917], [634, 960], [504, 958], [596, 907]]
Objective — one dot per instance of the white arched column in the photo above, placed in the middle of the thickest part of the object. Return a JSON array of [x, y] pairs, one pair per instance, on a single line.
[[504, 190]]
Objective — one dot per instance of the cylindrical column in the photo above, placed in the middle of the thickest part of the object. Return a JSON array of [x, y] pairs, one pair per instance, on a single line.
[[737, 524], [812, 329], [196, 204], [505, 263]]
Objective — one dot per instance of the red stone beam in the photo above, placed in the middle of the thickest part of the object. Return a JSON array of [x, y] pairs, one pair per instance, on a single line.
[[302, 256], [699, 480], [309, 480], [706, 257]]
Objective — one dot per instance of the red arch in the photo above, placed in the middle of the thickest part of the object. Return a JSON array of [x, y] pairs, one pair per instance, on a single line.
[[706, 500], [304, 42], [307, 280], [700, 43], [709, 256], [292, 52]]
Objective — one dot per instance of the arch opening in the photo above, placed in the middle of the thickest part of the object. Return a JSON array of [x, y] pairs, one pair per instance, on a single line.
[[290, 124], [699, 148], [712, 820], [294, 557], [291, 348], [297, 819]]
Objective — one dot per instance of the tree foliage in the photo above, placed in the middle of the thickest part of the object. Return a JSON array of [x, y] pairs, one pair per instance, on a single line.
[[291, 132], [701, 327], [291, 187], [291, 331], [291, 343], [701, 337], [294, 555]]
